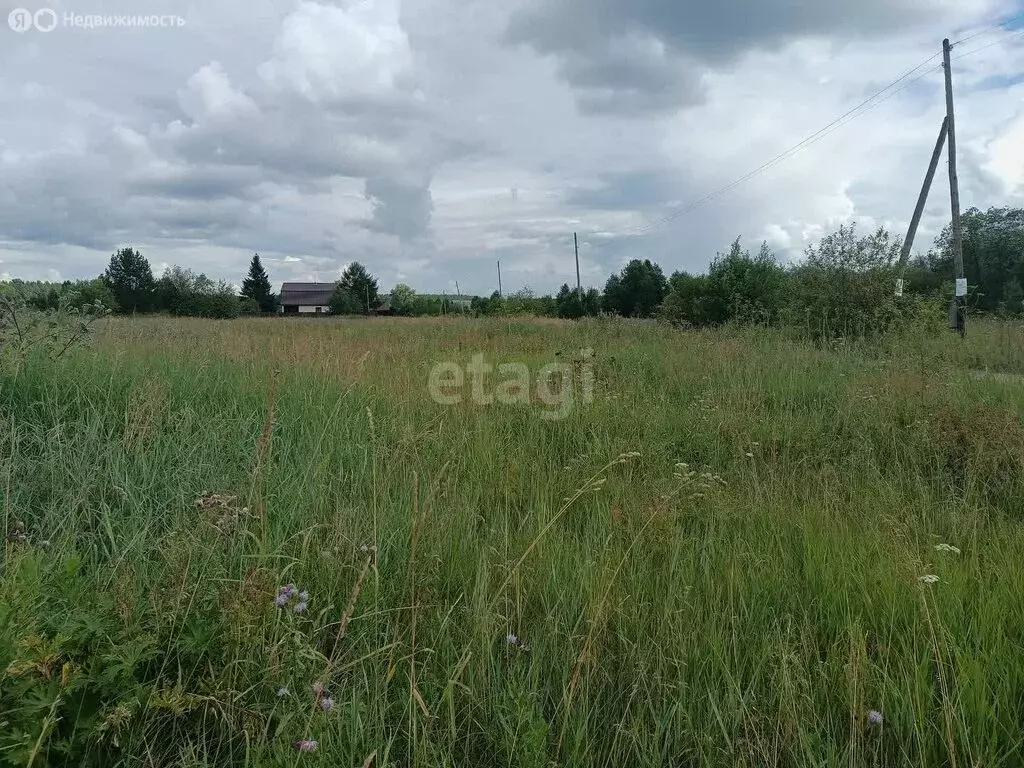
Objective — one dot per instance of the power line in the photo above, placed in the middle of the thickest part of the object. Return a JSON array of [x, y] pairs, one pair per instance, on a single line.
[[1000, 25], [814, 137], [867, 105], [1000, 41]]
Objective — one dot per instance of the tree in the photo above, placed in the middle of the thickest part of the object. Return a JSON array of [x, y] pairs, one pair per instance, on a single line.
[[130, 279], [93, 292], [568, 303], [685, 304], [744, 289], [344, 302], [611, 298], [360, 285], [493, 306], [181, 291], [403, 300], [845, 285], [522, 302], [177, 287], [637, 291], [256, 286], [993, 248]]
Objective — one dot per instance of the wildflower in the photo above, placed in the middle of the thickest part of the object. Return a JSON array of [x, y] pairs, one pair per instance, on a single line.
[[306, 745], [289, 590], [750, 455], [511, 639], [318, 689], [301, 607], [303, 597], [281, 600], [947, 548], [875, 717], [929, 578], [326, 703], [282, 692]]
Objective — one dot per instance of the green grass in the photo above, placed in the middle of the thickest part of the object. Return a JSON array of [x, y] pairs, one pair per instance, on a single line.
[[749, 613]]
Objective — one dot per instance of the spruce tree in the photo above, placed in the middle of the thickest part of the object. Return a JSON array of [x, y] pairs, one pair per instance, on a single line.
[[257, 286]]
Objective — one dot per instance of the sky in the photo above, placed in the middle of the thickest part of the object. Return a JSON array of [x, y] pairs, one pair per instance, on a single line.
[[429, 139]]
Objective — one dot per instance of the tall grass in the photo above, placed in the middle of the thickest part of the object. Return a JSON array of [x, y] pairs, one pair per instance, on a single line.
[[717, 562]]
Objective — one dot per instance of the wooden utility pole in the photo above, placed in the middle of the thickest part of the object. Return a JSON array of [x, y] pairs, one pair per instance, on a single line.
[[576, 245], [908, 242], [499, 279], [960, 299]]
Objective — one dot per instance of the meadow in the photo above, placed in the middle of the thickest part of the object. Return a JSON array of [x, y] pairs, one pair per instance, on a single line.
[[745, 551]]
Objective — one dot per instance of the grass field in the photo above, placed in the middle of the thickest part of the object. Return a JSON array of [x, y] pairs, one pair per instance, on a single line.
[[718, 561]]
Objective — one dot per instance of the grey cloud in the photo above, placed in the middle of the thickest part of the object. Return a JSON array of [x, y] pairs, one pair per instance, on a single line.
[[643, 56], [614, 191], [400, 208], [197, 183]]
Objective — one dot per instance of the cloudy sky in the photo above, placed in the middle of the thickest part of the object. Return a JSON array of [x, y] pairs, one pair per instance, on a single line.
[[430, 138]]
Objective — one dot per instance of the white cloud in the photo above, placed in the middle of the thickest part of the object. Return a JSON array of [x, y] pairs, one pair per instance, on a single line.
[[325, 52]]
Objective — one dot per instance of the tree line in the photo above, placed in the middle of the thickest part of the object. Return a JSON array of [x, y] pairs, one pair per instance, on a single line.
[[127, 286], [844, 285]]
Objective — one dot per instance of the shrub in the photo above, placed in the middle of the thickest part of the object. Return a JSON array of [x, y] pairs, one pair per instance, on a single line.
[[844, 288], [738, 288], [248, 307], [25, 330], [686, 302]]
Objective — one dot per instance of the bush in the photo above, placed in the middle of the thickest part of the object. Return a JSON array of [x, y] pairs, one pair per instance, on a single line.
[[685, 304], [219, 306], [738, 288], [248, 307], [845, 287], [26, 330], [745, 289]]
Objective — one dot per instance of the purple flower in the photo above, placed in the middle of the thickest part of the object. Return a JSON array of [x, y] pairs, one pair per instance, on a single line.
[[304, 596], [326, 703], [511, 639], [301, 607], [284, 595], [306, 745], [875, 717]]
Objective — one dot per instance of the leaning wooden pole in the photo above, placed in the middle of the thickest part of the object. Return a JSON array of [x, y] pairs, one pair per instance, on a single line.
[[908, 242]]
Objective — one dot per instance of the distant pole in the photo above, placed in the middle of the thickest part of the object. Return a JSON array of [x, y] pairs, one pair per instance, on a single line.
[[954, 199], [499, 279], [457, 289], [908, 242], [367, 299], [576, 244]]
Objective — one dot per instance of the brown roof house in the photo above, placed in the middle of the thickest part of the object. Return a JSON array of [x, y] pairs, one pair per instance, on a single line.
[[307, 298]]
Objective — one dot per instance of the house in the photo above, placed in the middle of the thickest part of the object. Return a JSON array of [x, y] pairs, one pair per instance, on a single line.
[[307, 298]]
